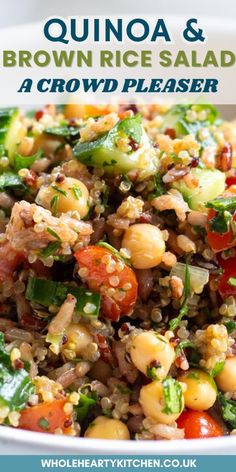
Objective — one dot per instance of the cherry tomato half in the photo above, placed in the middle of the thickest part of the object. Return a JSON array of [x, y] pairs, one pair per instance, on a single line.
[[198, 424], [45, 417], [101, 278], [219, 241]]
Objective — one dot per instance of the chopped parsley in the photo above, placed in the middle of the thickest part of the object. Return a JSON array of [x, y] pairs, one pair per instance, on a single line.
[[132, 127], [217, 369], [43, 423], [230, 326], [174, 323], [232, 281], [152, 373], [223, 221], [54, 234], [222, 204], [228, 409], [59, 190], [76, 192], [184, 345], [172, 396], [50, 249], [54, 204]]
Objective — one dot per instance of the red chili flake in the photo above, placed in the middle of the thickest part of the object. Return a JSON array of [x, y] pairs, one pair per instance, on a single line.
[[195, 162], [60, 178], [125, 328], [224, 159], [145, 218], [170, 132], [30, 179], [155, 364], [72, 122], [18, 364], [132, 107], [179, 360], [134, 145], [104, 348], [174, 340], [68, 423], [39, 114]]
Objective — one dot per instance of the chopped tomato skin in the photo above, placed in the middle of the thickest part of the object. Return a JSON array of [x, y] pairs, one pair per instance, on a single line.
[[231, 181], [45, 417], [198, 424], [229, 270], [99, 279], [219, 241], [9, 259]]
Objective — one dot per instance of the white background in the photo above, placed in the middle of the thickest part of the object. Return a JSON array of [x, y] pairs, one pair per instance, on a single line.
[[19, 11]]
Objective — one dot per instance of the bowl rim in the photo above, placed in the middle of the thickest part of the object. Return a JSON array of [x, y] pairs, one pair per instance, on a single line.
[[70, 445]]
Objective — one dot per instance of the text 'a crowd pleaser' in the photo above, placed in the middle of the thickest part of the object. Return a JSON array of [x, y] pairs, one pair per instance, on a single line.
[[171, 85]]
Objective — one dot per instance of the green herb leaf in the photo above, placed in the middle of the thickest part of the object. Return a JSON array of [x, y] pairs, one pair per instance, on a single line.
[[15, 385], [43, 423], [184, 345], [176, 118], [54, 234], [174, 323], [232, 281], [172, 396], [11, 181], [159, 188], [54, 204], [219, 224], [114, 252], [25, 162], [222, 204], [228, 408], [50, 249], [69, 132], [217, 369], [59, 190], [152, 372], [230, 326], [76, 191], [47, 292], [85, 404], [132, 127]]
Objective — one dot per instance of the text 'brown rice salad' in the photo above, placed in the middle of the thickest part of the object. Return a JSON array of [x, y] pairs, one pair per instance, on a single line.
[[118, 271]]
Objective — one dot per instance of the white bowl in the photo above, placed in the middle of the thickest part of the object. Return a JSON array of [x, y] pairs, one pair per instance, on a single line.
[[15, 441]]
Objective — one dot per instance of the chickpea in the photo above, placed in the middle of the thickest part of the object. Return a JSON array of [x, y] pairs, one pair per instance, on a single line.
[[153, 402], [150, 348], [201, 391], [107, 428], [78, 336], [145, 244], [226, 379], [69, 195]]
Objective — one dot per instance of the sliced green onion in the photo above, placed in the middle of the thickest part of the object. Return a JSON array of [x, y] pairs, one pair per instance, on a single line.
[[47, 292], [198, 276], [59, 190]]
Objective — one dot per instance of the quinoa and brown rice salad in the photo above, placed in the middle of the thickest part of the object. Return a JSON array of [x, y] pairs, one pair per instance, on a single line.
[[118, 271]]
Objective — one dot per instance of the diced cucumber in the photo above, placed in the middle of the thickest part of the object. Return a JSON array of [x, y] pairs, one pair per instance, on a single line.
[[211, 185], [105, 152], [11, 130]]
